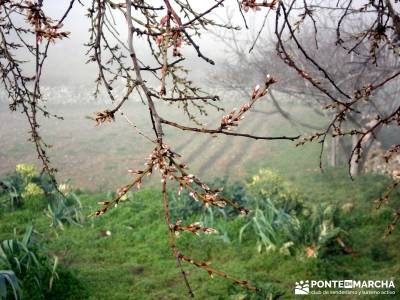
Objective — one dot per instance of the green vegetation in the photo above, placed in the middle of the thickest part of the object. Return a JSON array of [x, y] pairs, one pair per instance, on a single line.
[[29, 272], [319, 226], [8, 280]]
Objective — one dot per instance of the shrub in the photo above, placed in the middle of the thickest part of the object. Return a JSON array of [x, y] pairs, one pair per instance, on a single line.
[[319, 233], [279, 219], [27, 261], [25, 187], [270, 185], [27, 171], [183, 206], [36, 191], [33, 197]]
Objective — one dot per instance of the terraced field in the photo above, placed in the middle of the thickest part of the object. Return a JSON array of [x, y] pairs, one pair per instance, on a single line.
[[97, 158]]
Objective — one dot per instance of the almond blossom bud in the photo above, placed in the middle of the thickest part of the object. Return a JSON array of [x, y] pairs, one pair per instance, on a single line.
[[255, 91], [180, 189]]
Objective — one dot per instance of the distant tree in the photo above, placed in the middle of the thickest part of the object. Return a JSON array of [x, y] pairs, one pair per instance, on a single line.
[[349, 70], [27, 33]]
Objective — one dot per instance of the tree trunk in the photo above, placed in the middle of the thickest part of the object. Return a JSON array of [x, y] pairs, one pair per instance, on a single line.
[[333, 155], [354, 166]]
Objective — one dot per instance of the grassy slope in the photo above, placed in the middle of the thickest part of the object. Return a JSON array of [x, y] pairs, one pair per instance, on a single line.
[[135, 261]]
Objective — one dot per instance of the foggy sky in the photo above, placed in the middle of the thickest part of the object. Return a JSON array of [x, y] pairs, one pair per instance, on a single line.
[[66, 61]]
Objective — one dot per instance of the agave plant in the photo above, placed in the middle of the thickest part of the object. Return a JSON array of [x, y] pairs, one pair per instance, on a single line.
[[18, 257], [22, 260], [8, 281], [272, 227], [17, 254], [65, 210], [10, 192]]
